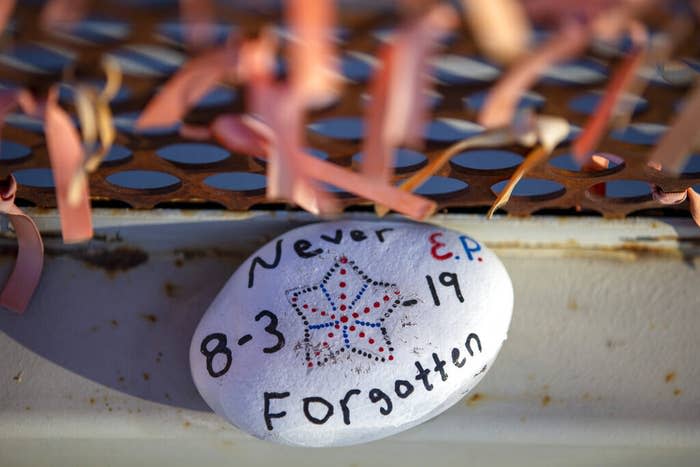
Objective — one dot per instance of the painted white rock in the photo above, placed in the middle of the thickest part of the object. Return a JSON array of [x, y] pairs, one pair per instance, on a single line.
[[345, 332]]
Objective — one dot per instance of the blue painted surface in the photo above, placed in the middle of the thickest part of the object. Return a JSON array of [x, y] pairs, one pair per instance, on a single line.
[[356, 69], [49, 61], [437, 185], [38, 178], [587, 102], [9, 150], [457, 69], [487, 159], [575, 72], [117, 154], [98, 30], [347, 128], [640, 133], [692, 166], [451, 130], [66, 92], [193, 153], [529, 100], [626, 189], [143, 179], [237, 181]]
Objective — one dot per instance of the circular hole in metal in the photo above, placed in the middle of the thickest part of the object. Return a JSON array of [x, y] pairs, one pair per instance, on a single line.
[[674, 73], [126, 123], [441, 186], [692, 166], [533, 188], [175, 32], [144, 180], [486, 159], [640, 133], [66, 92], [404, 159], [37, 178], [193, 153], [585, 71], [345, 128], [116, 155], [621, 191], [147, 60], [458, 69], [244, 182], [37, 57], [530, 100], [566, 163], [13, 152], [587, 102], [358, 66], [94, 31], [25, 122], [217, 97], [447, 130]]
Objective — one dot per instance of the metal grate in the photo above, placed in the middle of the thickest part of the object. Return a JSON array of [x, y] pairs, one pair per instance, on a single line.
[[141, 173]]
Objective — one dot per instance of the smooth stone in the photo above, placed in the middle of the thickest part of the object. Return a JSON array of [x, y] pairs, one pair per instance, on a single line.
[[345, 332]]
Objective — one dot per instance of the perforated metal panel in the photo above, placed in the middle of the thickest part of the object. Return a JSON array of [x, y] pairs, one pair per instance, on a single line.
[[141, 173]]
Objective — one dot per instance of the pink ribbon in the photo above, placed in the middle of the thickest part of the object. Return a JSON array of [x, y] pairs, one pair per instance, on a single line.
[[66, 156], [24, 278]]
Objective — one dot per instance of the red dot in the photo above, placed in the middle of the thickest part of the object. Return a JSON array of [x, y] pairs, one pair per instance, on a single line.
[[376, 304], [397, 292], [337, 326], [391, 357], [325, 344], [371, 341], [381, 349], [342, 284], [366, 309], [323, 313], [310, 364], [332, 316], [352, 328], [343, 260], [480, 258], [343, 271], [355, 315], [313, 310], [343, 296], [344, 319], [386, 298], [342, 307], [362, 334], [318, 353], [294, 299], [330, 334], [305, 306]]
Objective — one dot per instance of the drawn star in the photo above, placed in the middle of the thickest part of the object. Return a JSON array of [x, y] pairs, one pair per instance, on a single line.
[[345, 312]]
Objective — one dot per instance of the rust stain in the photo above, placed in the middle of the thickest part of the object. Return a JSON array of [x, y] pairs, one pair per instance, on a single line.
[[475, 399], [670, 376], [146, 376], [546, 400], [572, 304], [170, 289], [26, 407], [151, 318], [114, 323], [677, 392], [186, 424], [92, 401], [113, 261]]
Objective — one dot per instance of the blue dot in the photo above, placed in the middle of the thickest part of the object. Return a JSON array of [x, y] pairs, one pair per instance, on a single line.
[[347, 341], [456, 257]]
